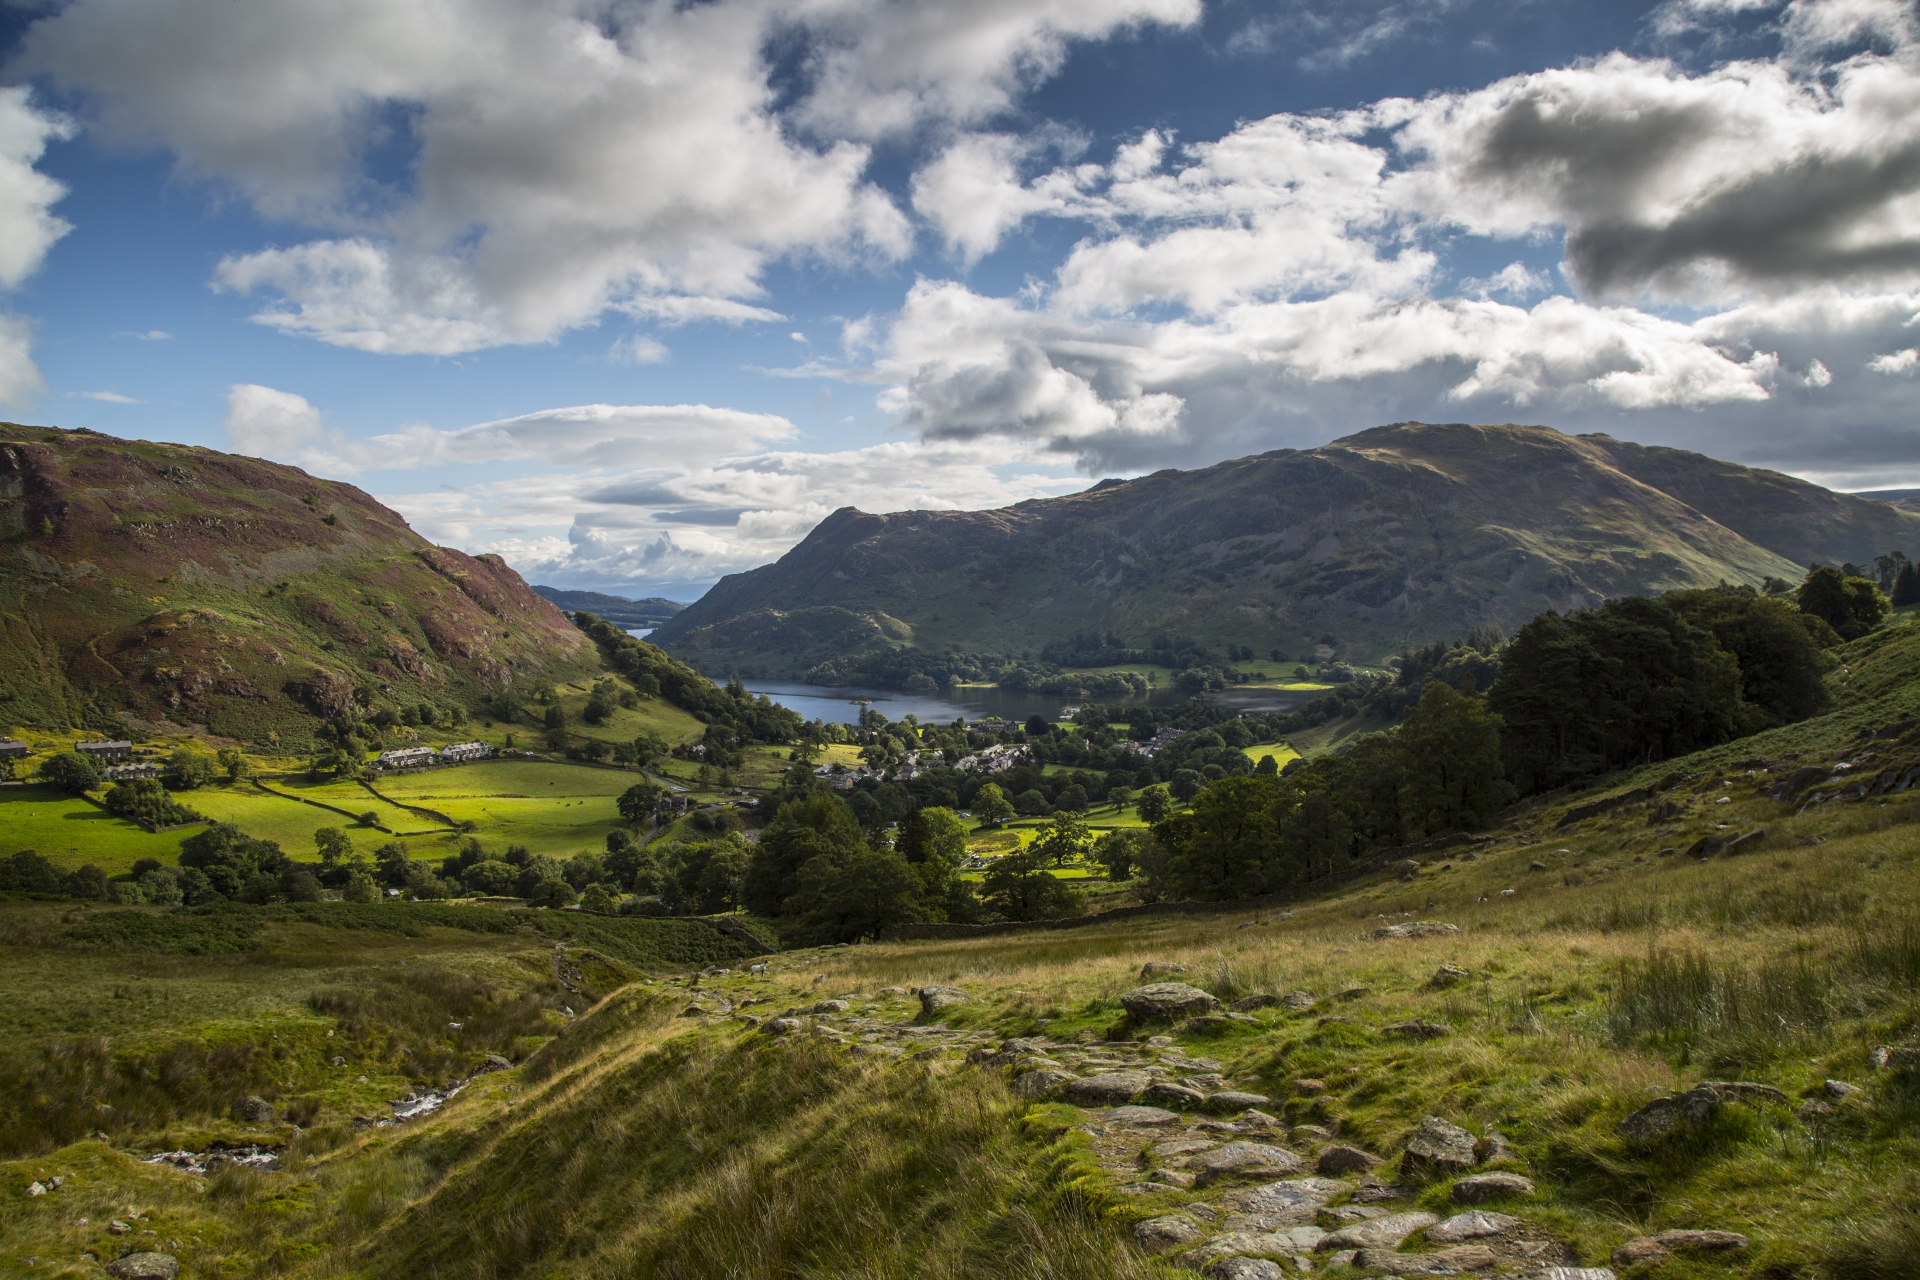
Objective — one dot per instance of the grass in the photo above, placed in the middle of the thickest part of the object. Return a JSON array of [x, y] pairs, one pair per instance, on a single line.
[[1282, 753], [70, 831]]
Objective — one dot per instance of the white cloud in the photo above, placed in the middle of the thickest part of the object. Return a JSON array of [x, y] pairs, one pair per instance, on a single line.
[[638, 348], [20, 379], [28, 229], [1896, 362], [268, 423], [567, 157], [972, 193], [106, 397]]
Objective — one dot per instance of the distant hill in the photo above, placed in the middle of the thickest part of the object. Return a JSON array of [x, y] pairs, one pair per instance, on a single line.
[[1905, 499], [1399, 535], [158, 586], [620, 610]]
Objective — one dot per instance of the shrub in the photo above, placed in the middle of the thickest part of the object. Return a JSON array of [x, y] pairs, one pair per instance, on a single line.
[[145, 800], [186, 770], [552, 892], [71, 772]]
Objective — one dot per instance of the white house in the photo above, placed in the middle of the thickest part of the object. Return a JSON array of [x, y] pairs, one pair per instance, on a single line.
[[459, 751]]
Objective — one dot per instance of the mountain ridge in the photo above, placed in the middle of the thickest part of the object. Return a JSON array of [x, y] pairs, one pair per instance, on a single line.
[[1400, 534], [150, 587]]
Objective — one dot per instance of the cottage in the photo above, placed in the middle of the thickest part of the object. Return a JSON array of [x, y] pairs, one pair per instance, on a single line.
[[459, 751], [125, 772], [1158, 742], [104, 750], [406, 758], [13, 749]]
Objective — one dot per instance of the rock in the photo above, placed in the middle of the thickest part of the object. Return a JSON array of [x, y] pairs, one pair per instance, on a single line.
[[825, 1006], [1247, 1004], [1041, 1083], [934, 999], [1691, 1110], [1338, 1161], [1577, 1273], [1305, 1133], [1142, 1116], [249, 1109], [877, 1050], [1746, 1091], [1813, 1109], [1161, 1235], [1385, 1232], [1234, 1100], [1901, 1059], [118, 1228], [1447, 1262], [35, 1189], [780, 1026], [1297, 1001], [1653, 1248], [1353, 993], [1419, 1029], [1165, 1001], [1407, 870], [1204, 1023], [1417, 929], [1344, 1258], [1346, 1213], [1156, 968], [1448, 975], [1243, 1269], [1472, 1226], [1437, 1147], [1164, 1094], [1237, 1158], [885, 993], [1277, 1204], [1309, 1088], [1109, 1088], [145, 1266], [1494, 1147], [1482, 1187], [1839, 1089], [1376, 1193], [1147, 1188]]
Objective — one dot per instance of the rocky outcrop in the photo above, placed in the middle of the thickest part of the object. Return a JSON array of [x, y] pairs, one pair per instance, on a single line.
[[1166, 1001]]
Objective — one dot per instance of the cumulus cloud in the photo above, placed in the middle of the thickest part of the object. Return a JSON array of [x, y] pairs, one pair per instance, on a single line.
[[566, 157], [269, 423], [28, 229]]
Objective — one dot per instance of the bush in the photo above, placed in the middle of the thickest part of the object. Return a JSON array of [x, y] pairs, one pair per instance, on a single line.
[[360, 888], [187, 770], [553, 892], [88, 882], [145, 800]]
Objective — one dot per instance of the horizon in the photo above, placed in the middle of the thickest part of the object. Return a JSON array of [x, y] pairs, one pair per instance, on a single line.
[[634, 298]]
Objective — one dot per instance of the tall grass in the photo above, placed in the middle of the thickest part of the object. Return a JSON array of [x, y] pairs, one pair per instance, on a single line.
[[1668, 995]]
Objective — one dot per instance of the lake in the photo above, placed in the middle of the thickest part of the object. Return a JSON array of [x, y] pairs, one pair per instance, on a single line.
[[824, 702]]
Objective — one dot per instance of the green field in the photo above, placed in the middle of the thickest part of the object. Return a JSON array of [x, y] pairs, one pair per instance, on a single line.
[[69, 831], [1281, 752]]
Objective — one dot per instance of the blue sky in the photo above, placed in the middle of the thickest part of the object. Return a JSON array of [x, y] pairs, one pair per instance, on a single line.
[[635, 293]]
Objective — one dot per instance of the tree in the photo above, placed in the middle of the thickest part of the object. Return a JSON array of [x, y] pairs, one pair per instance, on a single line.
[[1852, 606], [555, 719], [1016, 888], [145, 800], [186, 770], [233, 762], [934, 832], [1315, 840], [87, 882], [640, 802], [335, 846], [1038, 726], [298, 884], [1224, 847], [856, 897], [990, 805], [490, 878], [1064, 840], [1780, 666], [1454, 779], [1118, 852], [230, 860], [1154, 804], [1906, 587], [817, 826], [360, 888], [1186, 783], [391, 861], [71, 772], [597, 900], [601, 703]]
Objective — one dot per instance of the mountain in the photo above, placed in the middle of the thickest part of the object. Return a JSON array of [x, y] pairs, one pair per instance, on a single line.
[[1905, 499], [156, 587], [621, 610], [1399, 535]]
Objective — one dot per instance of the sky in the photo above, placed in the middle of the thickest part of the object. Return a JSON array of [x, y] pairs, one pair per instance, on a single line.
[[634, 293]]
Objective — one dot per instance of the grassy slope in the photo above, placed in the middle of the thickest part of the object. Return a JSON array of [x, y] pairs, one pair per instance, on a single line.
[[647, 1144]]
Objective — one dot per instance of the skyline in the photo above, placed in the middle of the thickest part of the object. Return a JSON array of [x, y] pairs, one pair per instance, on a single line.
[[635, 294]]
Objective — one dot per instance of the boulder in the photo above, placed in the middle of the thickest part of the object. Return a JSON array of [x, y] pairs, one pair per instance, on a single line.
[[145, 1266], [1482, 1187], [1492, 1147], [1109, 1088], [1292, 1203], [249, 1109], [1437, 1147], [934, 999], [1297, 1001], [1308, 1088], [1164, 1094], [1234, 1100], [1339, 1161], [1247, 1004], [1417, 929], [780, 1026], [1472, 1225], [1692, 1110], [1160, 968], [1839, 1089], [1165, 1001], [1237, 1268], [1899, 1059], [1577, 1273], [1235, 1245], [1448, 975], [1419, 1029], [1044, 1083], [1305, 1133], [1238, 1158], [1161, 1235], [1142, 1116], [828, 1006], [1654, 1247], [1384, 1232], [1746, 1091]]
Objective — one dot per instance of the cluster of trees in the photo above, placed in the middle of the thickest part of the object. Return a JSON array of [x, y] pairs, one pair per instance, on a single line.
[[748, 717], [146, 801]]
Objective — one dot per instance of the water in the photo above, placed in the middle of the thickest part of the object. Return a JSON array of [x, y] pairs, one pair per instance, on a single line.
[[639, 633], [824, 702]]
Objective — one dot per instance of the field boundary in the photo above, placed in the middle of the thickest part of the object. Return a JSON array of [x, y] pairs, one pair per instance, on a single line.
[[435, 814], [332, 808]]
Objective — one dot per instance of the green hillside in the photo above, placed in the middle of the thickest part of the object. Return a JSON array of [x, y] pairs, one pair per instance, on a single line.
[[159, 588], [1397, 536]]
